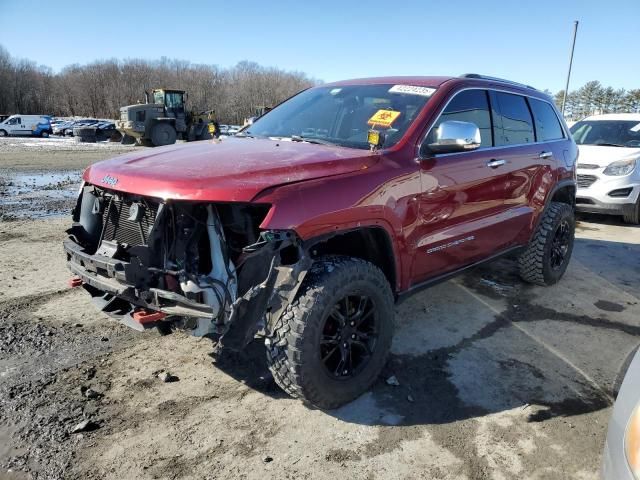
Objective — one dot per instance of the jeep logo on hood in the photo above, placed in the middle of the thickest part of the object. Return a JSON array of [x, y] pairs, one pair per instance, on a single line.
[[109, 180]]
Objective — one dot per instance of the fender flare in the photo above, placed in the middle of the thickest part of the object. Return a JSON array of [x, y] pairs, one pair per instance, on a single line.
[[568, 182], [377, 225]]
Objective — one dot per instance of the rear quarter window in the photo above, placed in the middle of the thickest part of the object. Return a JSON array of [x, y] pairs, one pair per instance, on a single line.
[[513, 125], [547, 124]]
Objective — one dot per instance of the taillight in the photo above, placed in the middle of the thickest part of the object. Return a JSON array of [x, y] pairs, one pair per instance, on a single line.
[[632, 443]]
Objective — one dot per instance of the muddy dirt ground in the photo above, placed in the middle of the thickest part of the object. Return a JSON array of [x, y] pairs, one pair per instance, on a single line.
[[497, 379]]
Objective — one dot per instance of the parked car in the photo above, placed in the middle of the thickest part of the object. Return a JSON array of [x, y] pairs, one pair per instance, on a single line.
[[59, 128], [233, 129], [85, 122], [609, 165], [621, 456], [20, 125], [309, 240]]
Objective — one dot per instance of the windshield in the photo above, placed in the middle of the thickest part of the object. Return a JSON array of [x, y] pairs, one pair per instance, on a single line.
[[618, 133], [158, 97], [343, 115]]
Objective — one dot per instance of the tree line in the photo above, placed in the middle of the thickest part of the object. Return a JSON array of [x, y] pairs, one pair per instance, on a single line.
[[100, 88], [594, 98]]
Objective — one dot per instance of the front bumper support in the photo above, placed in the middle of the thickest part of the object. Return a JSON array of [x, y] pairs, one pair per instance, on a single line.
[[107, 275]]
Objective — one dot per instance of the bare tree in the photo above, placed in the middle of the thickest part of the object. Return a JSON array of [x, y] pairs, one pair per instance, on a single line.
[[100, 88]]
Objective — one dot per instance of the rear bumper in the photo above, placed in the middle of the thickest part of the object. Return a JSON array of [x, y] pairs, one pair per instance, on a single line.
[[106, 279]]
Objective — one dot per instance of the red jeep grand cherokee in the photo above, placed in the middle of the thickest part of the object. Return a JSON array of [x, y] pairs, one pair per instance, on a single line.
[[306, 227]]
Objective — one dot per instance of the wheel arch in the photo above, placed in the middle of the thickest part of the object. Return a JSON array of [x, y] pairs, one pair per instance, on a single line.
[[564, 192], [168, 120], [370, 243]]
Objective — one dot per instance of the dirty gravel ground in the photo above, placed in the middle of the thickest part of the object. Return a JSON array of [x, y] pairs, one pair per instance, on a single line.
[[39, 177], [498, 379]]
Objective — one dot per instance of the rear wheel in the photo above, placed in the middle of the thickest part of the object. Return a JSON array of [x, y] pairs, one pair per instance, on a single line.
[[547, 256], [331, 343], [205, 135], [633, 214], [144, 142], [163, 134], [127, 139]]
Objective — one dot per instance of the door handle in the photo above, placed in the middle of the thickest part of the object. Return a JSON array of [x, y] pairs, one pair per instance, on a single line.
[[495, 163], [544, 155]]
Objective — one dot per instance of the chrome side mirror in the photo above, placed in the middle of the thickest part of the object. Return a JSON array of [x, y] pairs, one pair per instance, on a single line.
[[455, 136]]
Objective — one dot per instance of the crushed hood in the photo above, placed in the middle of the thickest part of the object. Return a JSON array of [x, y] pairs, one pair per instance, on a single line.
[[603, 156], [235, 169]]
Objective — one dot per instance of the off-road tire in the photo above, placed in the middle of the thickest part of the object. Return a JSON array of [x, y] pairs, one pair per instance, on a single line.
[[163, 134], [535, 262], [293, 353], [205, 135], [632, 215], [127, 139], [144, 142], [85, 134]]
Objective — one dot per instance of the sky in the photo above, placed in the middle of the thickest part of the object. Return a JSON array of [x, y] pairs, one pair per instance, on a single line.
[[332, 40]]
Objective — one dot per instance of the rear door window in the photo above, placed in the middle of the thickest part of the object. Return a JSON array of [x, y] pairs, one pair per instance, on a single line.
[[547, 124], [513, 123], [467, 106]]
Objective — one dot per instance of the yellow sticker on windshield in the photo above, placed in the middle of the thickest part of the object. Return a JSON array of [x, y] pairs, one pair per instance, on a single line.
[[384, 118]]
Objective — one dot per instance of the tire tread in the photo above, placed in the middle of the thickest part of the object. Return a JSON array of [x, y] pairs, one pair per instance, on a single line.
[[284, 347], [531, 261]]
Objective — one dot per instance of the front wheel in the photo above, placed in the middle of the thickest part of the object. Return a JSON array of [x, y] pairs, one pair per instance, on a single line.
[[547, 256], [632, 216], [331, 343], [3, 133], [163, 134]]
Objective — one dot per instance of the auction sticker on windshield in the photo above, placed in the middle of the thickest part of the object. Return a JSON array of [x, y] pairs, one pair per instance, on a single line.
[[384, 118], [413, 90]]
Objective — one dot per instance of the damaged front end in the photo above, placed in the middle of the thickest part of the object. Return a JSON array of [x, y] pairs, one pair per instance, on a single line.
[[203, 267]]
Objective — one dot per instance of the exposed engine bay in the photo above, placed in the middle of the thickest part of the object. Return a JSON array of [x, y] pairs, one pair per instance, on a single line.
[[203, 267]]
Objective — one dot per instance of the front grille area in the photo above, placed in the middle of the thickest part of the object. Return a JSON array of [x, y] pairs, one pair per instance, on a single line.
[[119, 227], [585, 181], [588, 166]]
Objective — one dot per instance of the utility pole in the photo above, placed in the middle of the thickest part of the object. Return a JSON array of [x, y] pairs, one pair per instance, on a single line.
[[573, 46]]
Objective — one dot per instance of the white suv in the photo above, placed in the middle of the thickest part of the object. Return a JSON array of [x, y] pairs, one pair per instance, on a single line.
[[609, 165]]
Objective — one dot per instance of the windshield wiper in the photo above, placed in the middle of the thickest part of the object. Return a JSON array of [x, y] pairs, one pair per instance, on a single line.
[[317, 141]]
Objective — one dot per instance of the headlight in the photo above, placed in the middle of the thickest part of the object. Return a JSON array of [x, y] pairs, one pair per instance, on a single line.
[[623, 167], [632, 443]]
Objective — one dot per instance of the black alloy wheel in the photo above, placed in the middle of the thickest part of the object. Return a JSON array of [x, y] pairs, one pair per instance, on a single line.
[[349, 336], [560, 244]]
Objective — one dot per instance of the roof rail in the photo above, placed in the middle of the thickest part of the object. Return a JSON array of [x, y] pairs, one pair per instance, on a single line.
[[495, 79]]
